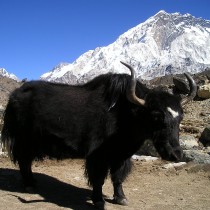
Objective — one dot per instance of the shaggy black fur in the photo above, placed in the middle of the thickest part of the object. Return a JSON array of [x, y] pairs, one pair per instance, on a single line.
[[94, 121]]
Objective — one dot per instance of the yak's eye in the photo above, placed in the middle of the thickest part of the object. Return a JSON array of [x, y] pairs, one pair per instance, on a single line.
[[157, 116]]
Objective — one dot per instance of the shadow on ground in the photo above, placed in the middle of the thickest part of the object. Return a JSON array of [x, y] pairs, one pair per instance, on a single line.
[[49, 188]]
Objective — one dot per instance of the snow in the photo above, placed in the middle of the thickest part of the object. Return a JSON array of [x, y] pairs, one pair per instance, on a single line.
[[180, 41], [4, 73]]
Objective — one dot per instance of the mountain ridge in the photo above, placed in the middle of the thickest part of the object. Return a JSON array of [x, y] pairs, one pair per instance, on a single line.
[[4, 73], [163, 44]]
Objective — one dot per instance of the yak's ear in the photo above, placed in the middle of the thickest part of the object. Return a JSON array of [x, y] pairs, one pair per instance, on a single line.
[[116, 87]]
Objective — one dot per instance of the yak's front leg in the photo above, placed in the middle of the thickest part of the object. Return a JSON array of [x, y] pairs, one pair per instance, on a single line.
[[96, 171], [119, 172]]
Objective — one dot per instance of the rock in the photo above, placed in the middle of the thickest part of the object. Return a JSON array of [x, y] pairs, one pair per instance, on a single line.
[[144, 158], [173, 165], [205, 136], [181, 84], [204, 91], [197, 156], [1, 111], [147, 149], [2, 152], [207, 150], [24, 80], [188, 142]]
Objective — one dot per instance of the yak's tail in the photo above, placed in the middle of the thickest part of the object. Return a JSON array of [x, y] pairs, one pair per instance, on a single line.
[[9, 131]]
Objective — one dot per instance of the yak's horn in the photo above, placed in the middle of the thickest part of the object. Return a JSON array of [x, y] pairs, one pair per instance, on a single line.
[[131, 91], [193, 90]]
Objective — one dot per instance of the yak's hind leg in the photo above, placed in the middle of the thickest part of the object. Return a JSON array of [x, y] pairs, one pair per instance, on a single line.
[[23, 155], [26, 172], [96, 172], [119, 171]]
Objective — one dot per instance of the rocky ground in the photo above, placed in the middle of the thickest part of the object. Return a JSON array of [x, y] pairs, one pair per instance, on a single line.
[[196, 120], [195, 123], [150, 186], [195, 127]]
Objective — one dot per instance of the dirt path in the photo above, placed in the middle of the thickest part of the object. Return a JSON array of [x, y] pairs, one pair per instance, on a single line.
[[61, 185]]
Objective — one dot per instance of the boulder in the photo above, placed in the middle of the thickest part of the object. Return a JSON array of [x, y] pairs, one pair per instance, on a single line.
[[144, 158], [188, 142], [173, 165], [204, 91], [205, 136], [197, 156], [181, 84], [147, 149]]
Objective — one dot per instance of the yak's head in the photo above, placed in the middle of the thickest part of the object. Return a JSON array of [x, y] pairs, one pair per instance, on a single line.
[[164, 114]]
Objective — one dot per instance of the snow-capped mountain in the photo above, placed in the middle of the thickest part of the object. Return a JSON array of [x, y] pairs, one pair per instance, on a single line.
[[4, 73], [163, 44]]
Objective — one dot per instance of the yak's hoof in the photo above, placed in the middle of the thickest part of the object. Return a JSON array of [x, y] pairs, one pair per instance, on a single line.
[[100, 205], [121, 201]]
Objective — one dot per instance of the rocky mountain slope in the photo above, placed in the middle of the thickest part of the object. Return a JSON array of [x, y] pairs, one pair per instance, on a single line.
[[196, 117], [7, 85], [162, 45], [4, 73]]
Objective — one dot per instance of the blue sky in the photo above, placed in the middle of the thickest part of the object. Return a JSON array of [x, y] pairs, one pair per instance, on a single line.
[[37, 35]]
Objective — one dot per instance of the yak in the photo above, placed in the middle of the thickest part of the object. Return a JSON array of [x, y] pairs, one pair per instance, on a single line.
[[105, 121]]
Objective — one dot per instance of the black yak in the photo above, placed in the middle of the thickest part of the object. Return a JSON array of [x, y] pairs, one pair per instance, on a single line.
[[104, 121]]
